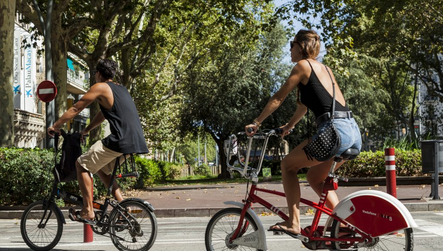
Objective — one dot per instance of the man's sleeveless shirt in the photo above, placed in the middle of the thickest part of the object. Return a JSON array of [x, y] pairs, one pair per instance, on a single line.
[[126, 130]]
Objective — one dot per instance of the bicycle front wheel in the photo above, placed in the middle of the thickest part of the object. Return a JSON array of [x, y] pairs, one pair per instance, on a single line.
[[41, 226], [401, 240], [223, 225], [134, 227]]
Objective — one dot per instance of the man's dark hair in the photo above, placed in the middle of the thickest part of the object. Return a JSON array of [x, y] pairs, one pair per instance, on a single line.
[[107, 68]]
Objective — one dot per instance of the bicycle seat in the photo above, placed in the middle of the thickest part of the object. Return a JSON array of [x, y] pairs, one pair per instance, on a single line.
[[349, 154]]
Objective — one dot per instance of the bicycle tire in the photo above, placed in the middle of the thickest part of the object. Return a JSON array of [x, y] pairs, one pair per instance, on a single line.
[[136, 234], [39, 236], [401, 240], [222, 225]]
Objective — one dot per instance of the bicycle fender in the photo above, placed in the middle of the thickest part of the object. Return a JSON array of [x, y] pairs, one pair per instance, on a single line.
[[374, 212], [261, 231], [59, 212], [150, 207]]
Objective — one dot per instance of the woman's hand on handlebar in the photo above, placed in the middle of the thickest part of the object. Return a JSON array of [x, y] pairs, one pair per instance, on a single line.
[[285, 130], [251, 129]]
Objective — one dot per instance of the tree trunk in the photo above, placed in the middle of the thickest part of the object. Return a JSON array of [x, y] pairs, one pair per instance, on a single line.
[[60, 67], [7, 17], [224, 171]]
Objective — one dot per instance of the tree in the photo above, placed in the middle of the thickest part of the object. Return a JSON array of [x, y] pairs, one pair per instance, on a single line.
[[228, 88], [7, 18], [404, 36]]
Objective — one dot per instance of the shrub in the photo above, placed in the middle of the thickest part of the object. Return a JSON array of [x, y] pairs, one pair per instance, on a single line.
[[372, 164], [202, 170], [27, 176]]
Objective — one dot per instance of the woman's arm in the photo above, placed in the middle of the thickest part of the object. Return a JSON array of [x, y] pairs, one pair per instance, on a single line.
[[297, 74]]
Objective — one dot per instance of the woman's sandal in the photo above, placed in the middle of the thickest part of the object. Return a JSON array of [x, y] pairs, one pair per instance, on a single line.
[[280, 229]]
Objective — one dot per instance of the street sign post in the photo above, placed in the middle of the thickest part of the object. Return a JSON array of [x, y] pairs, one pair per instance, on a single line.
[[46, 91]]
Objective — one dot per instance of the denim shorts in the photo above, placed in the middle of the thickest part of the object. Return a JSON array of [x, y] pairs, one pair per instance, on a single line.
[[349, 134]]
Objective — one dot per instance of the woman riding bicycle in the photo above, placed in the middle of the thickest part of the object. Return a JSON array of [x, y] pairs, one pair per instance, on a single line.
[[314, 92]]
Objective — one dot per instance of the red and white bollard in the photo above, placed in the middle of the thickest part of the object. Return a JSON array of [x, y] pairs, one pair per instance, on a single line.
[[88, 235], [391, 179]]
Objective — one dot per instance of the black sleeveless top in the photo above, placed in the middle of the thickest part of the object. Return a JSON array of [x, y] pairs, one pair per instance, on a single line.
[[126, 130], [314, 96]]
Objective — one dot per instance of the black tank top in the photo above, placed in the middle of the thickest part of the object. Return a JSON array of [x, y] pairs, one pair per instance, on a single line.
[[126, 130], [314, 96]]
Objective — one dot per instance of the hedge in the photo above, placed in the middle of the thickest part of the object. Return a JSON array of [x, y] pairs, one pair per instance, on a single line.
[[27, 176], [27, 173], [372, 164]]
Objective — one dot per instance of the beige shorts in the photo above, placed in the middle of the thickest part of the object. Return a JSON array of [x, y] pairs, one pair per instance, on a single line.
[[98, 157]]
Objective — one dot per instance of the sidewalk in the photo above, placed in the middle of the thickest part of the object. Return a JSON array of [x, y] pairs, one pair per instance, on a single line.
[[206, 200]]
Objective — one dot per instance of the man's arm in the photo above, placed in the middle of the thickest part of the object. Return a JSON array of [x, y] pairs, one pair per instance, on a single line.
[[96, 121], [93, 94]]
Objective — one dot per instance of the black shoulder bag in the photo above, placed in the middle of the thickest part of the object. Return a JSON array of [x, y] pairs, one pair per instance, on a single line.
[[327, 142]]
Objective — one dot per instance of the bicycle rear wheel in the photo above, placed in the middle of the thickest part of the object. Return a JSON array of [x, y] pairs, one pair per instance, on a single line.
[[41, 226], [221, 227], [135, 229], [401, 240]]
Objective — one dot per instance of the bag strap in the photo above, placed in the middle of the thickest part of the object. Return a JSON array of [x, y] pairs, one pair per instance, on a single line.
[[333, 94]]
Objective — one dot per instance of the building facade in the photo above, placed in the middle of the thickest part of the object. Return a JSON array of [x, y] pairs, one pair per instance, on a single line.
[[29, 71]]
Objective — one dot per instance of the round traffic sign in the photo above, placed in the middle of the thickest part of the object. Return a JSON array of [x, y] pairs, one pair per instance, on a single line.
[[46, 91]]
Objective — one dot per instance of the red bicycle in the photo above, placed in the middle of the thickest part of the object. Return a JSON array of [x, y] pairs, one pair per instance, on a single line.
[[365, 220]]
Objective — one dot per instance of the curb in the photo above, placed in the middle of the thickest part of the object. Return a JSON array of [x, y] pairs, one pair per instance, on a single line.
[[209, 212]]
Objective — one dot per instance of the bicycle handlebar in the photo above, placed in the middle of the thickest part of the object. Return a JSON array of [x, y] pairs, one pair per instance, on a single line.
[[245, 170]]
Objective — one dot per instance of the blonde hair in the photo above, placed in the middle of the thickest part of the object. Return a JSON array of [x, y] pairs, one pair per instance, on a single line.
[[309, 42]]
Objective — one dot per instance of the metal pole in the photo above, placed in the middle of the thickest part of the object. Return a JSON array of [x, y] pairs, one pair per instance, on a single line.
[[436, 167]]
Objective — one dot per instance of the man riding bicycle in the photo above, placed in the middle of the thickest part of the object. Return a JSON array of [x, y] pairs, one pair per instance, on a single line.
[[116, 106]]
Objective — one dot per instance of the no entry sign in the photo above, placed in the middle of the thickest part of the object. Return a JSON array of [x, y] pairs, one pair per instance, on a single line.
[[46, 91]]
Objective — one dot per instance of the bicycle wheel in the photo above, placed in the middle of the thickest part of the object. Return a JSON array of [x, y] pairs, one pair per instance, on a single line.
[[41, 226], [401, 240], [221, 227], [135, 229]]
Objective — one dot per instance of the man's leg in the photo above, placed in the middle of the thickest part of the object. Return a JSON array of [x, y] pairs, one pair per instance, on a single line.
[[106, 179], [85, 184]]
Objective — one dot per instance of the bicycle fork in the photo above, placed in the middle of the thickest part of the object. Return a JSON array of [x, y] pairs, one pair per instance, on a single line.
[[257, 239]]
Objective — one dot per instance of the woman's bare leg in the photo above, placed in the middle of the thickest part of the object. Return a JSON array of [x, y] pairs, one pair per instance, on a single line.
[[290, 166], [316, 178]]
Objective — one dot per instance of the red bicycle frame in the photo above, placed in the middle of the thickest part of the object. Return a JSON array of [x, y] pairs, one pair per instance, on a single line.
[[330, 184]]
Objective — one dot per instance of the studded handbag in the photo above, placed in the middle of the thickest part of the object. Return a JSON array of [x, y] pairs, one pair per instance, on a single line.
[[327, 141]]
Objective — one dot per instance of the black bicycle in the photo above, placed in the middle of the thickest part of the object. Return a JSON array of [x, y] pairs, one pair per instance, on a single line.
[[131, 223]]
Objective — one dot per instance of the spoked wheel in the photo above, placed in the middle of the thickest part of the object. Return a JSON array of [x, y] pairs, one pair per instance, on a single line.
[[401, 240], [135, 229], [41, 226], [223, 225]]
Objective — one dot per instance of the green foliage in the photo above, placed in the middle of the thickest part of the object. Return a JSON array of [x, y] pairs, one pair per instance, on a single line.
[[153, 171], [405, 143], [372, 164], [28, 177], [203, 170]]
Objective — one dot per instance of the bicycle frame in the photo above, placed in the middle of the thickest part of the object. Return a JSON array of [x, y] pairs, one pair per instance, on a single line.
[[307, 234], [78, 200], [314, 235]]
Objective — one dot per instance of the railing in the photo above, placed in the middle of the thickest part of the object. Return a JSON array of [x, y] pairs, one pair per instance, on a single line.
[[29, 129], [74, 79]]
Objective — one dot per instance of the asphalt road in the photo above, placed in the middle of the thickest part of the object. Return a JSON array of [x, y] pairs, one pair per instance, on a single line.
[[187, 234]]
